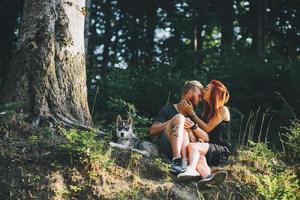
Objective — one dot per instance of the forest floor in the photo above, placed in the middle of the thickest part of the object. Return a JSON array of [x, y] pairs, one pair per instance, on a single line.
[[52, 162]]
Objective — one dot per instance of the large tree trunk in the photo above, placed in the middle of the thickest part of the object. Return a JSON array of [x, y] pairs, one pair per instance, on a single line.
[[150, 29], [48, 70], [258, 9], [226, 14], [9, 11], [88, 7]]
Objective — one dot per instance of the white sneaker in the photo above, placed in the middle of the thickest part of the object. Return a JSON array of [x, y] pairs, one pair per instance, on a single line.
[[188, 174]]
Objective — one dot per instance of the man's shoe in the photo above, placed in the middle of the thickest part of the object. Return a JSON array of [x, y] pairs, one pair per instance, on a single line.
[[189, 174], [213, 179], [184, 164], [176, 166]]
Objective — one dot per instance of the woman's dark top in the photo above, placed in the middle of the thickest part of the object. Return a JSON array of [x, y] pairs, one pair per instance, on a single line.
[[221, 134]]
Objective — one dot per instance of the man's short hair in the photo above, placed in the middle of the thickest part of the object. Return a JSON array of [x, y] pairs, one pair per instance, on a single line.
[[191, 85]]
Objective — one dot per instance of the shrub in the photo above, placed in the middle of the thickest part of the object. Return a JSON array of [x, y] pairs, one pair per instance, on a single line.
[[291, 139], [83, 144], [283, 186]]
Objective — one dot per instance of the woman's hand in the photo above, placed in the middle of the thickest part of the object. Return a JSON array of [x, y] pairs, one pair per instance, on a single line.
[[186, 107], [200, 140]]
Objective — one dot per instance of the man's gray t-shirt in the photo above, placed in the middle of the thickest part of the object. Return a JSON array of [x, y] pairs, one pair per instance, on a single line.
[[166, 113]]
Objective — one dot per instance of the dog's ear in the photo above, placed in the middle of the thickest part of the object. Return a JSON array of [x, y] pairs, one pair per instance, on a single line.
[[130, 121], [119, 120]]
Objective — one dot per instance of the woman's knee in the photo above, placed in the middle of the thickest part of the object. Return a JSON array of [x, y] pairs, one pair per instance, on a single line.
[[201, 147], [178, 118], [192, 147]]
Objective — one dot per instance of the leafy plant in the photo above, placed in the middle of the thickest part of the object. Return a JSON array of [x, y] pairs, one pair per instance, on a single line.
[[292, 140], [84, 144], [283, 186]]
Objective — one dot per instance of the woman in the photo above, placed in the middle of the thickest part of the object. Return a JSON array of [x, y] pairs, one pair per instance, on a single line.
[[216, 122]]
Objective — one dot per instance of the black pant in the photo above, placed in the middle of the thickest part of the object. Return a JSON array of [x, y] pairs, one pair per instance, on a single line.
[[217, 154]]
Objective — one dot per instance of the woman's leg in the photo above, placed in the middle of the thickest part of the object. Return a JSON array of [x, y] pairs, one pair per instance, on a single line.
[[195, 150], [202, 167], [197, 160]]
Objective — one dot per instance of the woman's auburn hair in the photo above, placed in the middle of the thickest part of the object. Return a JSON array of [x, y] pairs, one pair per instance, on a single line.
[[219, 96]]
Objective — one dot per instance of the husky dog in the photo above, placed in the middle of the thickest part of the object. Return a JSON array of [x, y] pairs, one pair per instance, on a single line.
[[128, 140]]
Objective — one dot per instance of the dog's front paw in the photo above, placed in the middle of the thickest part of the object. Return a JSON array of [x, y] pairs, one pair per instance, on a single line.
[[120, 146], [113, 144], [144, 153]]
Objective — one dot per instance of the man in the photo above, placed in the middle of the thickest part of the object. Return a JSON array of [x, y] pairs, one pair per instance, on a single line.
[[175, 129]]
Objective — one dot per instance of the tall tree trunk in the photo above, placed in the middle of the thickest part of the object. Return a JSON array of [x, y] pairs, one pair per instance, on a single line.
[[226, 14], [88, 6], [107, 35], [198, 40], [9, 12], [48, 71], [150, 28], [258, 9]]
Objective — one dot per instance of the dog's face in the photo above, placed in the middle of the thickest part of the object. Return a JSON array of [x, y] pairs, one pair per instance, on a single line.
[[124, 128]]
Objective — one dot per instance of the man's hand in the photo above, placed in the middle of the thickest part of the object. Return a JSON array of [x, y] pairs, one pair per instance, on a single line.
[[186, 107], [188, 123]]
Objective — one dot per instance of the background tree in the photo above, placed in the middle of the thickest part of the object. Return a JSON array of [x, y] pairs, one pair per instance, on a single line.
[[48, 69], [10, 12]]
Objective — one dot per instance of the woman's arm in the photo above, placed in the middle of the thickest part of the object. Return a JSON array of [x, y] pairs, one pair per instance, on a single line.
[[214, 121], [201, 134], [193, 127]]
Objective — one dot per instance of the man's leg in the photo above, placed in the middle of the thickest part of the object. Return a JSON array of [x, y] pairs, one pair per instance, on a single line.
[[185, 143], [174, 132], [184, 148]]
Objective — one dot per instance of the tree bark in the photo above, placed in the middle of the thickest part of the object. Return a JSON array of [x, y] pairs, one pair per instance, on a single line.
[[88, 7], [107, 35], [150, 29], [226, 14], [48, 71], [9, 12], [258, 9]]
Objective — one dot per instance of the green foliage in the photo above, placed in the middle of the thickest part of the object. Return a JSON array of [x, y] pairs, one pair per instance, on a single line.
[[283, 186], [11, 115], [292, 140], [16, 106], [142, 125], [121, 107], [148, 92], [84, 145], [260, 156], [162, 166], [272, 178], [135, 162], [81, 142]]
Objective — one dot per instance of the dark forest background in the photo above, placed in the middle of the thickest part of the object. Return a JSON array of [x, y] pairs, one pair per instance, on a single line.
[[140, 52]]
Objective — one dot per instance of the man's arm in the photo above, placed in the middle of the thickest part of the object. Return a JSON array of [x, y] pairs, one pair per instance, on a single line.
[[157, 127]]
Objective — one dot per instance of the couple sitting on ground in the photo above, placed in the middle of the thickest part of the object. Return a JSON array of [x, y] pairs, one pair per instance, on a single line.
[[194, 141]]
